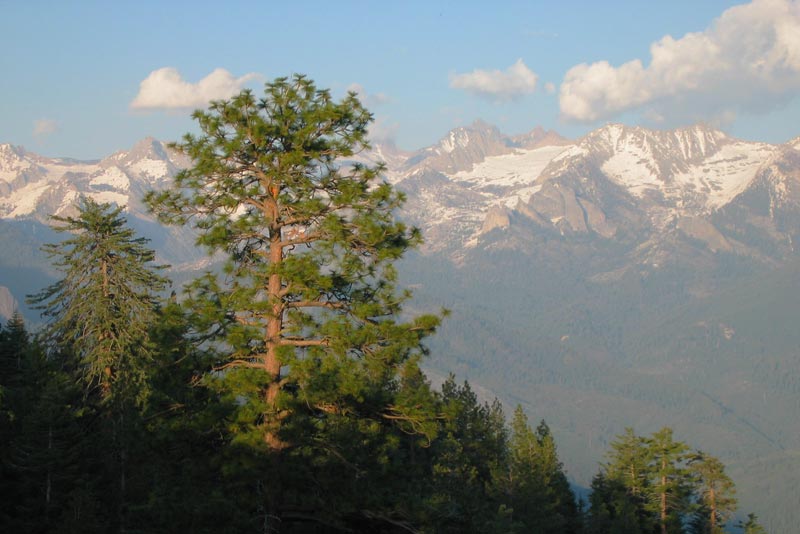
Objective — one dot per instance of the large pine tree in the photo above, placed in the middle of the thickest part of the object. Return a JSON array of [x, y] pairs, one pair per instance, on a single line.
[[305, 318], [308, 306]]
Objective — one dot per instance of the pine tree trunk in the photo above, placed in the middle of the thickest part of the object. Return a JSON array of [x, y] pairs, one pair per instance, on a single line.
[[49, 482], [122, 466], [105, 388], [664, 499], [272, 363], [712, 499]]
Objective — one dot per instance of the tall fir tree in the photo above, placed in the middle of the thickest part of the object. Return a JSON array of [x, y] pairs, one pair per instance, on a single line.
[[629, 465], [43, 441], [467, 459], [100, 314], [103, 307]]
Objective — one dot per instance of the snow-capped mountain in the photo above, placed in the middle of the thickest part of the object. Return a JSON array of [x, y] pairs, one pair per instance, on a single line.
[[614, 183], [33, 186]]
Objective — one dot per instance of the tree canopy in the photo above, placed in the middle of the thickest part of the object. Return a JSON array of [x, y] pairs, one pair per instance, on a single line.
[[308, 305], [101, 309]]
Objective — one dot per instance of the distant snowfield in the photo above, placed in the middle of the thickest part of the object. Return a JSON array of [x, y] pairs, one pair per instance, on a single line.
[[727, 173], [709, 184], [24, 200], [112, 177], [512, 176], [150, 167], [41, 187], [633, 168]]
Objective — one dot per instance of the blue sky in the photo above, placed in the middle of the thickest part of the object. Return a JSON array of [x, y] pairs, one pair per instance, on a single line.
[[84, 79]]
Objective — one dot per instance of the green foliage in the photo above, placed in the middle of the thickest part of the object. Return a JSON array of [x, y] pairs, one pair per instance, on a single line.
[[102, 308], [43, 442], [751, 526], [659, 484], [670, 478], [307, 312], [313, 367], [541, 498], [715, 491], [466, 459]]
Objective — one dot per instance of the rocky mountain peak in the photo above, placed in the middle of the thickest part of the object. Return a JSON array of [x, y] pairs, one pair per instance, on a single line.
[[149, 147], [12, 158], [462, 148], [478, 133], [688, 144], [539, 137], [9, 150]]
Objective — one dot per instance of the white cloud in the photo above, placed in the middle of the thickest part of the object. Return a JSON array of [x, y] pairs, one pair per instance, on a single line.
[[747, 60], [44, 127], [383, 131], [512, 83], [165, 88], [369, 100]]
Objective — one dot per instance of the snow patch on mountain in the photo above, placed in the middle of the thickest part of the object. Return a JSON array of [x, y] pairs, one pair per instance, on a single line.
[[154, 168], [519, 168], [23, 201], [727, 173], [509, 177], [12, 162], [112, 177], [633, 168]]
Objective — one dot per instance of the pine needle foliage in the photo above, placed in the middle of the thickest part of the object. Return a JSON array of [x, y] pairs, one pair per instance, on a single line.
[[307, 312]]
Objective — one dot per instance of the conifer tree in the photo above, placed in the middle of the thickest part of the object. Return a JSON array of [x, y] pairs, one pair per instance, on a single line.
[[612, 510], [308, 309], [43, 440], [715, 491], [671, 480], [629, 463], [751, 526], [100, 315], [469, 455], [541, 497], [102, 308]]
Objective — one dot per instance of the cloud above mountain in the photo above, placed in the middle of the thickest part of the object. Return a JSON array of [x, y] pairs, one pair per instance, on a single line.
[[368, 99], [44, 127], [165, 88], [748, 60], [498, 85]]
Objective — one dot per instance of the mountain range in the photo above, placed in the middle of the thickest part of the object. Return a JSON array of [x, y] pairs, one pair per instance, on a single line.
[[632, 277]]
